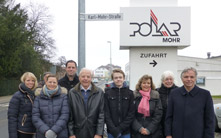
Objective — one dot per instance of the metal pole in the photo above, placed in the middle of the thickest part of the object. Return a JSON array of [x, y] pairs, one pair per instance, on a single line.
[[81, 35], [110, 58], [110, 52]]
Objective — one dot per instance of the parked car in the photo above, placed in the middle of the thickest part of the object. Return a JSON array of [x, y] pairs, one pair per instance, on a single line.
[[217, 109], [107, 85], [95, 80]]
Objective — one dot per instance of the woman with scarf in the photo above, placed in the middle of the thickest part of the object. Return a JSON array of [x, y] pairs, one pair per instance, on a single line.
[[20, 108], [148, 110], [50, 111]]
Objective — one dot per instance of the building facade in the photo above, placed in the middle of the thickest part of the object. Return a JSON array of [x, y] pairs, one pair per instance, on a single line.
[[104, 72], [209, 72]]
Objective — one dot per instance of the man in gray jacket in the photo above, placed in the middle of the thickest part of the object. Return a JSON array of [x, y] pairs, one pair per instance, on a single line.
[[86, 104]]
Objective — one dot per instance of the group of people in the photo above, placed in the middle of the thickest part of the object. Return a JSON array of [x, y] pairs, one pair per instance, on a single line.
[[73, 107]]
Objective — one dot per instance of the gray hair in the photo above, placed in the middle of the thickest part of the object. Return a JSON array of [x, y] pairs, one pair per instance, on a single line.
[[188, 69], [167, 74], [86, 70], [46, 73]]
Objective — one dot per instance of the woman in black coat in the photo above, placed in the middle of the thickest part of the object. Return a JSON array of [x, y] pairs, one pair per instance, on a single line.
[[20, 108], [148, 110], [167, 84]]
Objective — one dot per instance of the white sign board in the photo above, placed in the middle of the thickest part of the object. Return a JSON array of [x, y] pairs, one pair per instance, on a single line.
[[155, 26], [103, 17], [152, 61]]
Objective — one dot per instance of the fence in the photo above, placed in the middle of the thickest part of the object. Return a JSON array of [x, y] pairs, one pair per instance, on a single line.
[[8, 86]]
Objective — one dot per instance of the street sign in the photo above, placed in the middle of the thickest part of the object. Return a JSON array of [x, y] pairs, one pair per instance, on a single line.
[[104, 17]]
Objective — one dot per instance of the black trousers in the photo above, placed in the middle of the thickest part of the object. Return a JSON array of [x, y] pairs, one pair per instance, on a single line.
[[22, 135]]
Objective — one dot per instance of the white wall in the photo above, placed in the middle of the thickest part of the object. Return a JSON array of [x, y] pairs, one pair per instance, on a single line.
[[213, 85], [208, 68], [140, 66]]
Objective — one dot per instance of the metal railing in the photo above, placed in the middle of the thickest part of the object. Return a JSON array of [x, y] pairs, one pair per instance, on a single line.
[[8, 86]]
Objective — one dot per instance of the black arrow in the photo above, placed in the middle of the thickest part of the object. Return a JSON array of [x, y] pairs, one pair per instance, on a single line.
[[154, 63]]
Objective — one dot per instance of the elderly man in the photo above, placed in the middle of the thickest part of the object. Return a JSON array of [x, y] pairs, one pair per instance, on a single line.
[[70, 79], [86, 104], [190, 111]]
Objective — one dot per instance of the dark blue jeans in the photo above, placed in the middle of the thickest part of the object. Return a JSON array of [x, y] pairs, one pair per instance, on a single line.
[[122, 136]]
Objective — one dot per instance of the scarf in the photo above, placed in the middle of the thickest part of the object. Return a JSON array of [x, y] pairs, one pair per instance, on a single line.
[[144, 107], [24, 88], [48, 92]]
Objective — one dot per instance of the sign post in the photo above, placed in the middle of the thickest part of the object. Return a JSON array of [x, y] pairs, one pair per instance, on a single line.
[[153, 35], [82, 17], [104, 17]]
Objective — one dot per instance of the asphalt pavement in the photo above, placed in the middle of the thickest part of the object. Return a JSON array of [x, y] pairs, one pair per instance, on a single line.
[[4, 100]]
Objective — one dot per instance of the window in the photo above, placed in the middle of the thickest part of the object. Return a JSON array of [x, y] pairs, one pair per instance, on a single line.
[[200, 80]]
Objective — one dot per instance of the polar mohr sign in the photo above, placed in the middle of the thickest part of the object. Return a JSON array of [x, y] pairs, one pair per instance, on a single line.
[[155, 26]]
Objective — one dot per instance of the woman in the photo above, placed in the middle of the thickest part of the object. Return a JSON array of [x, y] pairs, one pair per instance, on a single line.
[[167, 84], [148, 110], [20, 108], [50, 111]]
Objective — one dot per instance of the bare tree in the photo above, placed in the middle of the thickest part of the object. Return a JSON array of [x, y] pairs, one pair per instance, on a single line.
[[38, 25], [60, 66], [62, 61]]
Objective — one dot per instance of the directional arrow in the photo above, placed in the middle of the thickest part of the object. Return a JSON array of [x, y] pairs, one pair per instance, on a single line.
[[154, 63]]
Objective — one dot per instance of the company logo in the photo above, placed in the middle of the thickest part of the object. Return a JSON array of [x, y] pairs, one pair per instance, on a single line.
[[146, 29]]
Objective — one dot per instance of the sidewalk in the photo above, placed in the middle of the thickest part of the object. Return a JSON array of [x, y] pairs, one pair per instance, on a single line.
[[5, 99]]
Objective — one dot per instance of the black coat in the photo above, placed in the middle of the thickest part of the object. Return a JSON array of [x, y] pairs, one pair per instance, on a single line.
[[119, 110], [152, 123], [190, 114], [86, 123], [64, 82], [164, 96], [20, 112]]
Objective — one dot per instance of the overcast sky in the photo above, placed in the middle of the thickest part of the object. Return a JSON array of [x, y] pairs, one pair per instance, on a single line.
[[205, 28]]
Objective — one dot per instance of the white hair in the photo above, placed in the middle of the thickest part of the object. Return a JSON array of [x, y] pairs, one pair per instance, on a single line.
[[188, 69], [167, 74], [86, 70]]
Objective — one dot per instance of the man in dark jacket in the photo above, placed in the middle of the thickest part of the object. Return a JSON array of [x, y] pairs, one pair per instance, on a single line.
[[190, 112], [86, 102], [70, 79], [119, 107]]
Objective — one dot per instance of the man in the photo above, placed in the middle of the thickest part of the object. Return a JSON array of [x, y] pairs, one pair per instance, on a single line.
[[119, 107], [70, 79], [86, 102], [42, 83], [190, 111]]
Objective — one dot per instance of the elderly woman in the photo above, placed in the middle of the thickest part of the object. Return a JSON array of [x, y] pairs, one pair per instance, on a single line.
[[50, 111], [167, 84], [148, 110], [20, 108]]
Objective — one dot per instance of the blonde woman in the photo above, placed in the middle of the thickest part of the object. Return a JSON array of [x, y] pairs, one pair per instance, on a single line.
[[20, 108]]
